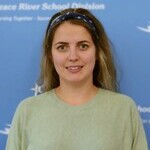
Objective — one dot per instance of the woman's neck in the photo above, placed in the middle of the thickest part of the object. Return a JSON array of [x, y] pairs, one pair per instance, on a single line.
[[76, 95]]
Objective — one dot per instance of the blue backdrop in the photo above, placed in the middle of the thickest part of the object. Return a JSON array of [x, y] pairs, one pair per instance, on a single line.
[[22, 29]]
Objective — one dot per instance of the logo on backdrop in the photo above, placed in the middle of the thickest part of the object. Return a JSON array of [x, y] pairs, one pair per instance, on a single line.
[[6, 129], [144, 110], [38, 88], [41, 7], [145, 29]]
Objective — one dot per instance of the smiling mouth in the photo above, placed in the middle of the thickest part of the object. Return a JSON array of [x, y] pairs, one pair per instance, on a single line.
[[74, 68]]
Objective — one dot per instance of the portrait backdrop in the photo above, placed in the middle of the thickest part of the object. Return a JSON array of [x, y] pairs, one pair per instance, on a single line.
[[22, 29]]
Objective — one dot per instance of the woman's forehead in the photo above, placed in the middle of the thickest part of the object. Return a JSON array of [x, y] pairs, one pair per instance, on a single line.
[[71, 32]]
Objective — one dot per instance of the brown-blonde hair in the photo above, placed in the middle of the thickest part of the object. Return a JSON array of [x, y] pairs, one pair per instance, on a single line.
[[104, 74]]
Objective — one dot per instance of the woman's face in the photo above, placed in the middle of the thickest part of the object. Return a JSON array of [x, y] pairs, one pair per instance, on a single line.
[[73, 54]]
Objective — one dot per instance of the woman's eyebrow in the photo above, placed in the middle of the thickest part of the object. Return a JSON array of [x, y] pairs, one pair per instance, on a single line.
[[60, 43], [84, 41], [79, 42]]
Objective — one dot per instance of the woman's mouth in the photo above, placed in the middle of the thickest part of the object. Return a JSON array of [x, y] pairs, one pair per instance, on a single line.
[[74, 69]]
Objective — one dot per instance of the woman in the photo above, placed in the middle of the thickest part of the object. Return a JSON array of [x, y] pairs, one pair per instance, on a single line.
[[79, 109]]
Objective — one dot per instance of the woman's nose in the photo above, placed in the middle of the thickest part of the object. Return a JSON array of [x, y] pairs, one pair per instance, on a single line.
[[73, 54]]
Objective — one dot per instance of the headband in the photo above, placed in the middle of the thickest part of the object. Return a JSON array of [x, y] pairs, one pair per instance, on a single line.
[[72, 15]]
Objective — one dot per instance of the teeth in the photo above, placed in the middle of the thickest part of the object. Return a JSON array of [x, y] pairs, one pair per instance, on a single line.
[[74, 67]]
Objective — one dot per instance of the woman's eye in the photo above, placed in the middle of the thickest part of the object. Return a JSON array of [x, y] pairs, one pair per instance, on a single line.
[[83, 46], [62, 47]]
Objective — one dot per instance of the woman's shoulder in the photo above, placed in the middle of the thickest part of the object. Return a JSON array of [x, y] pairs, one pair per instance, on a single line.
[[35, 101], [117, 98]]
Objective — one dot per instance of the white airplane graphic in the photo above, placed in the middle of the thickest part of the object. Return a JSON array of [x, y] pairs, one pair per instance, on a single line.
[[146, 29], [6, 130]]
